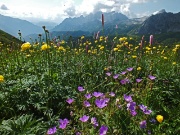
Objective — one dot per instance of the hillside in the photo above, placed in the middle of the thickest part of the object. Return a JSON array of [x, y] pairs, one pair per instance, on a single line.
[[6, 38]]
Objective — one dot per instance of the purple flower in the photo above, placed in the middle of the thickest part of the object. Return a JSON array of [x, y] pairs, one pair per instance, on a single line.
[[116, 76], [123, 73], [103, 130], [94, 122], [138, 80], [51, 131], [131, 106], [80, 88], [129, 69], [127, 98], [151, 77], [143, 124], [133, 113], [152, 120], [70, 100], [84, 118], [124, 81], [101, 103], [63, 123], [87, 104], [112, 94], [108, 74], [78, 133], [97, 94], [144, 109], [147, 112], [88, 96]]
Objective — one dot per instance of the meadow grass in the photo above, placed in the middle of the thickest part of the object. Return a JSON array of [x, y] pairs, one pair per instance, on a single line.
[[98, 86]]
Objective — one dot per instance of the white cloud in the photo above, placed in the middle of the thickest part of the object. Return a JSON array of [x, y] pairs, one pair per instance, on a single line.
[[56, 10]]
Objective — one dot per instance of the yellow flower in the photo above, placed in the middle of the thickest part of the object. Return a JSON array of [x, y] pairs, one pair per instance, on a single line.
[[159, 118], [82, 37], [115, 49], [165, 58], [139, 68], [174, 63], [25, 46], [102, 48], [45, 47], [134, 56], [1, 78], [62, 42], [154, 47]]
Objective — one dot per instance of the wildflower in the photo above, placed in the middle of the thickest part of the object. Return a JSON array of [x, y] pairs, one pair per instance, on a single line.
[[87, 104], [78, 133], [129, 69], [94, 122], [116, 76], [152, 120], [143, 124], [134, 56], [80, 88], [165, 58], [84, 118], [101, 48], [63, 123], [132, 107], [115, 49], [123, 73], [1, 78], [25, 46], [112, 94], [97, 94], [108, 74], [124, 81], [159, 118], [127, 98], [103, 130], [151, 77], [45, 47], [139, 68], [88, 96], [100, 103], [151, 39], [174, 63], [51, 131], [70, 100], [82, 37], [144, 109], [133, 113], [138, 80]]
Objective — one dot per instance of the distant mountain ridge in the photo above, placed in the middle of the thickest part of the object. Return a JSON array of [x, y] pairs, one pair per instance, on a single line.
[[13, 25], [161, 22]]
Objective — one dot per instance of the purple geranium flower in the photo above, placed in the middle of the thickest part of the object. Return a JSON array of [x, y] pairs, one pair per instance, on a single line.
[[63, 123], [103, 130], [78, 133], [123, 73], [101, 103], [51, 131], [124, 81], [144, 109], [127, 98], [70, 100], [84, 118], [151, 77], [129, 69], [97, 94], [116, 76], [138, 80], [80, 88], [108, 74], [88, 96], [131, 106], [87, 104], [94, 122], [152, 120], [133, 113], [147, 112], [143, 124], [112, 94]]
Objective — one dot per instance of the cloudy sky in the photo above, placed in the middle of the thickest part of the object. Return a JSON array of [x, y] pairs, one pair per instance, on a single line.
[[57, 10]]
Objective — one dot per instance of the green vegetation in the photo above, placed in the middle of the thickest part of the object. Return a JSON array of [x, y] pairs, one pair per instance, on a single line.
[[89, 86]]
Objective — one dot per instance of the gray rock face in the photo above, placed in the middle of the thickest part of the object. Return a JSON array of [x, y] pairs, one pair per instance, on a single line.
[[161, 22]]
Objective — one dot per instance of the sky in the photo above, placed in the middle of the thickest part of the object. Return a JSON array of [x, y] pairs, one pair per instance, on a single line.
[[57, 10]]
